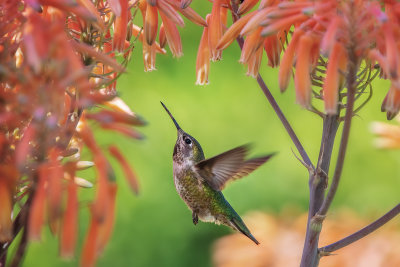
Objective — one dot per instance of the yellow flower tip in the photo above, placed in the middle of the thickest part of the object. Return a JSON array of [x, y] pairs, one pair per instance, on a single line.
[[82, 182], [202, 75]]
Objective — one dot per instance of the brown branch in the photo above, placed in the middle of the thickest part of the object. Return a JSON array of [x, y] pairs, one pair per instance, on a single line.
[[317, 184], [324, 251]]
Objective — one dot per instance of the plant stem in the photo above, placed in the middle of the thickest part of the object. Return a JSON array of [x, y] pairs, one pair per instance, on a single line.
[[284, 121], [318, 211], [361, 233], [351, 88], [317, 185]]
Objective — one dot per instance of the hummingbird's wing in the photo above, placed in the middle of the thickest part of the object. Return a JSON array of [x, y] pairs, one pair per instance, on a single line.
[[230, 165]]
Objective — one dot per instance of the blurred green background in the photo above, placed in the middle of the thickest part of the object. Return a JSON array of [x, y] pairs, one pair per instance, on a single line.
[[155, 228]]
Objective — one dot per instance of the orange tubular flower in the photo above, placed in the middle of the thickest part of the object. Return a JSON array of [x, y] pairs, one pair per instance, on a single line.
[[54, 190], [69, 228], [331, 83], [6, 195], [360, 26], [161, 36], [106, 228], [391, 103], [254, 62], [150, 24], [272, 46], [172, 35], [120, 26], [37, 212], [126, 167], [203, 58], [252, 43], [215, 30], [303, 66], [89, 250]]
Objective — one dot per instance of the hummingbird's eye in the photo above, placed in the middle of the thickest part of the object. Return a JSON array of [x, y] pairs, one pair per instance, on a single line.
[[188, 141]]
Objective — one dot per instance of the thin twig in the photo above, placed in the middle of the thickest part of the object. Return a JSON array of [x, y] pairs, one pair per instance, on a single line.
[[324, 251]]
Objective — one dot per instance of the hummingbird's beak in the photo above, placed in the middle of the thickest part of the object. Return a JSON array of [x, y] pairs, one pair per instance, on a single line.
[[172, 117]]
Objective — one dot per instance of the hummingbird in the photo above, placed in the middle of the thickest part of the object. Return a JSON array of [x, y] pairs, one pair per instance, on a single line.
[[199, 181]]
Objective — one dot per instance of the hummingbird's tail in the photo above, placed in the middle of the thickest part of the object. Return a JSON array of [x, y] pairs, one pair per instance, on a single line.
[[241, 227]]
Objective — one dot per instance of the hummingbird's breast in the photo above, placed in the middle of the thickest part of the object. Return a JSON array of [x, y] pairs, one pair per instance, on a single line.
[[209, 204]]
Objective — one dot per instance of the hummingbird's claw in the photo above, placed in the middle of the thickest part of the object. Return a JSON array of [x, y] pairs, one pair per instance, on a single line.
[[195, 218]]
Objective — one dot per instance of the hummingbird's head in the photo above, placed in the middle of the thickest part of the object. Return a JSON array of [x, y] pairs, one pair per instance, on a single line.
[[186, 146]]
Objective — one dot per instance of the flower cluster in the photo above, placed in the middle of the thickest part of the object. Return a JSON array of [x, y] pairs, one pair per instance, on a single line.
[[58, 59], [319, 40], [167, 32]]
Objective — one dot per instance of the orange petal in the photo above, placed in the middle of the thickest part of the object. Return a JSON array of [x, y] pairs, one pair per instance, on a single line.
[[54, 189], [123, 129], [173, 37], [391, 103], [150, 24], [6, 196], [115, 7], [255, 21], [252, 43], [109, 116], [391, 51], [170, 12], [302, 77], [331, 83], [233, 32], [285, 69], [246, 5], [69, 230], [107, 227], [272, 46], [203, 58], [120, 26], [161, 36], [267, 3], [101, 200], [37, 211], [215, 30], [254, 63], [224, 18], [276, 25], [89, 250], [23, 148], [93, 10], [126, 167], [330, 36], [190, 14]]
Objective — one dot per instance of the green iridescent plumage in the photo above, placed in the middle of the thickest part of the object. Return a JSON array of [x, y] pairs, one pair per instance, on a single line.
[[199, 181]]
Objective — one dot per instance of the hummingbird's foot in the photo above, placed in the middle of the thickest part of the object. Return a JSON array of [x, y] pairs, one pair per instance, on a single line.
[[195, 218]]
